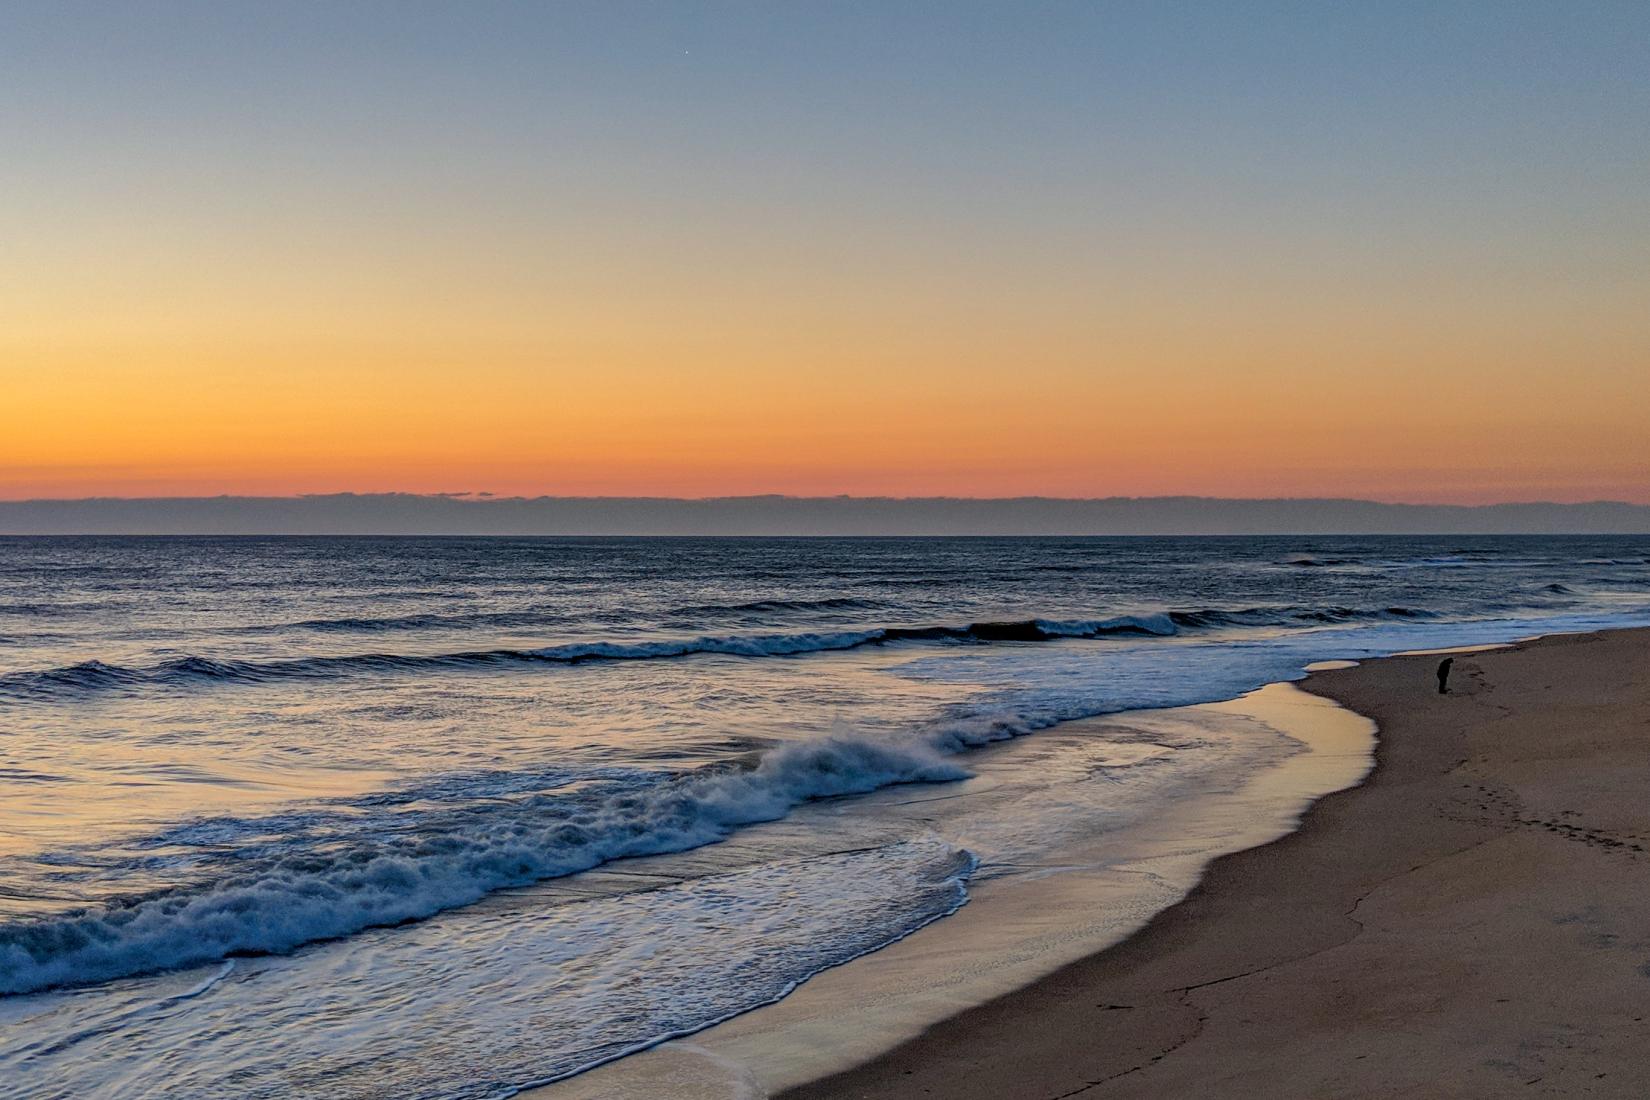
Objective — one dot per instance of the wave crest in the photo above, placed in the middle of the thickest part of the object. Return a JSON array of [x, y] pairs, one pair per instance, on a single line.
[[95, 676], [302, 898]]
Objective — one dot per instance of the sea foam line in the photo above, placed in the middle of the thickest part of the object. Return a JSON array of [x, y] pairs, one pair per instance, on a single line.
[[97, 676], [304, 898]]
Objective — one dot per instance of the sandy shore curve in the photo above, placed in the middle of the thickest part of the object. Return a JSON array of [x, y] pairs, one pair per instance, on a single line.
[[1472, 920]]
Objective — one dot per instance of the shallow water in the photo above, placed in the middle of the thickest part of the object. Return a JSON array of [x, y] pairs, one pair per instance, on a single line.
[[294, 786], [1038, 902]]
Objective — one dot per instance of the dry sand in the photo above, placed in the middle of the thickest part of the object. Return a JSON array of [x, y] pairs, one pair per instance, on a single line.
[[1474, 920]]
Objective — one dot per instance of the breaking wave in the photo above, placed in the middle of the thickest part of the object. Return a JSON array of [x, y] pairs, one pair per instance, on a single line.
[[301, 895], [93, 676]]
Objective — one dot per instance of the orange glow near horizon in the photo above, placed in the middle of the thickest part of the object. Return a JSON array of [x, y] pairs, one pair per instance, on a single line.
[[722, 393], [74, 430]]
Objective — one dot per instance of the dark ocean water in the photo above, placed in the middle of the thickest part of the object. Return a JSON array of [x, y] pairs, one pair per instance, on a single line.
[[295, 783]]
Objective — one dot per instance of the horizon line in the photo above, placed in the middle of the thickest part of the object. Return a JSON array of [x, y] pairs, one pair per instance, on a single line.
[[486, 497], [773, 515]]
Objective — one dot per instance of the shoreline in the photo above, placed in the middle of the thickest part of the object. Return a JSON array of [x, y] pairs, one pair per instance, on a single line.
[[1452, 938], [1024, 919]]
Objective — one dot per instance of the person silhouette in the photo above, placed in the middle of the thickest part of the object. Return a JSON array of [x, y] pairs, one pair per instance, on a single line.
[[1443, 675]]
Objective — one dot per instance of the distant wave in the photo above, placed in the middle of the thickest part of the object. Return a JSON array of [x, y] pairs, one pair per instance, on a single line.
[[755, 607], [1463, 560], [94, 676], [354, 624], [531, 618], [36, 609], [1458, 559]]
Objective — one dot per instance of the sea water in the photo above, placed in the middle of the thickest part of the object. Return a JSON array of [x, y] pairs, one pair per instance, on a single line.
[[443, 817]]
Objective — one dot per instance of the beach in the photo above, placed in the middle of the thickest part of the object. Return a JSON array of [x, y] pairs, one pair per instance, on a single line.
[[1096, 882], [614, 820], [1471, 920]]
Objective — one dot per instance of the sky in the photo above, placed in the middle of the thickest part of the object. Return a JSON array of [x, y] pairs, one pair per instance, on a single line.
[[1394, 251]]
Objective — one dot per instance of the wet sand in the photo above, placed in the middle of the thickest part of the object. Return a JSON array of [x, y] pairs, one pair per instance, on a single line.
[[1472, 921], [1077, 893]]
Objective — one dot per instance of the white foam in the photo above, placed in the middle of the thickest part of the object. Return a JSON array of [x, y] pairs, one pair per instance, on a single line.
[[308, 897], [528, 991]]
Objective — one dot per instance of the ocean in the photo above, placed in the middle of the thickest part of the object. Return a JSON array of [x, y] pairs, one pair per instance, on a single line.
[[363, 817]]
